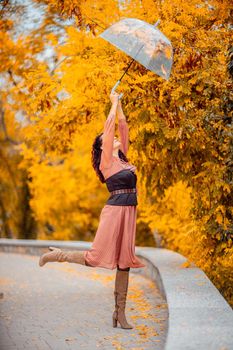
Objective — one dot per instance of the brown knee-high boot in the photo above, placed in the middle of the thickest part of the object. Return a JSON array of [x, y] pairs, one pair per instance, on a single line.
[[57, 254], [120, 294]]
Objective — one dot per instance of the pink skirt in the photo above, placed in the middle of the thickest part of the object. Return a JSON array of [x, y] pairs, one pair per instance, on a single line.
[[114, 242]]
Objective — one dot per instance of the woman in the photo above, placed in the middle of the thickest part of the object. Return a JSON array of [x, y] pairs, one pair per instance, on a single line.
[[114, 242]]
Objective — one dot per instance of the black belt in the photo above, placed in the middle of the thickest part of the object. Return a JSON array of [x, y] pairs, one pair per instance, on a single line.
[[124, 190]]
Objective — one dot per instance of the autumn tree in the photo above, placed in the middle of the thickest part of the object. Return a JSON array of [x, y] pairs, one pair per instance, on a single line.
[[180, 130]]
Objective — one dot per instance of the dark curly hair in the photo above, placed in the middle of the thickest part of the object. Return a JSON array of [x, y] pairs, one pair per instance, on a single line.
[[96, 156]]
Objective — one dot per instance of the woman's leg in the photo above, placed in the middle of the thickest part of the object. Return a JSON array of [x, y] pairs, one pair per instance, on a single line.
[[56, 254], [120, 294]]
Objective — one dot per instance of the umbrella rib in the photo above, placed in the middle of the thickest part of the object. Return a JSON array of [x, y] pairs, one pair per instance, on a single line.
[[131, 63]]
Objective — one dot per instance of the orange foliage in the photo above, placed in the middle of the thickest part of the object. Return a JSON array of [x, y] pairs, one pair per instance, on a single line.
[[180, 130]]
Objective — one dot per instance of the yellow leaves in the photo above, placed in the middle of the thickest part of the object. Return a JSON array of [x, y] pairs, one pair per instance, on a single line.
[[76, 43], [221, 208], [222, 58], [38, 77], [181, 144], [219, 218], [29, 156], [144, 79], [187, 264], [199, 88], [52, 38], [227, 188], [200, 174], [59, 190], [168, 52]]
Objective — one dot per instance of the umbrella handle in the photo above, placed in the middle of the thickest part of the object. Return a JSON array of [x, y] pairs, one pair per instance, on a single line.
[[114, 88]]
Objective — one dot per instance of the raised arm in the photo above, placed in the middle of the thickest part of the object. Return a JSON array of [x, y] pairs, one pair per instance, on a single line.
[[108, 134], [123, 129]]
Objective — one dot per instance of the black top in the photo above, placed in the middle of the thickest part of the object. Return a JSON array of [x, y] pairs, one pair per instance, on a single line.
[[123, 179]]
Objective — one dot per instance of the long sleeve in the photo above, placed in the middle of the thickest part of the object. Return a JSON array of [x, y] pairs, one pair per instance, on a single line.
[[108, 139], [124, 134]]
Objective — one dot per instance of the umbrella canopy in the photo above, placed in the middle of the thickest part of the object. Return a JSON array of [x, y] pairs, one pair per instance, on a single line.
[[143, 42]]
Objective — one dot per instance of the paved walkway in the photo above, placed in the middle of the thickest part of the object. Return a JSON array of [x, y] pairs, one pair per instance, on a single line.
[[67, 306]]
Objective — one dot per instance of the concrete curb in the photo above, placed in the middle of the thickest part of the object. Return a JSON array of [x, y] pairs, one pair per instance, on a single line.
[[199, 316]]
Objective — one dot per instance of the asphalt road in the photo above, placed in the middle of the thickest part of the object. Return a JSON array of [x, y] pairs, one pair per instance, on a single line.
[[69, 306]]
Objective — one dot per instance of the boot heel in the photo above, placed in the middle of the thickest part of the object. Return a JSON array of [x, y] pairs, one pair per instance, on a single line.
[[114, 322]]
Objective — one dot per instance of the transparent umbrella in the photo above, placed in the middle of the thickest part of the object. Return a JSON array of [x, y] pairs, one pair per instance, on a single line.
[[144, 43]]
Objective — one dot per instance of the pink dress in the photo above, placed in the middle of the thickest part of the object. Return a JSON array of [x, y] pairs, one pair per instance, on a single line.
[[114, 242]]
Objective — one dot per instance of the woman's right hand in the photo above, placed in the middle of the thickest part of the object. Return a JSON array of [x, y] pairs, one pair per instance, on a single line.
[[114, 97]]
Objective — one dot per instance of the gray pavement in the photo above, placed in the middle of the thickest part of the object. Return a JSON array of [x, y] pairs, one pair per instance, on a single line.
[[68, 306]]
